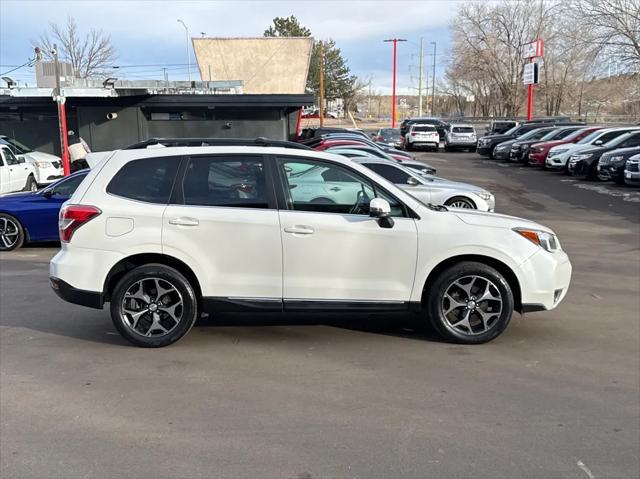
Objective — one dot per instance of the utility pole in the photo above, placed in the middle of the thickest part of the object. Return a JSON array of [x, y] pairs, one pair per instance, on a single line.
[[321, 92], [186, 30], [433, 90], [420, 78], [369, 101], [393, 95], [62, 115]]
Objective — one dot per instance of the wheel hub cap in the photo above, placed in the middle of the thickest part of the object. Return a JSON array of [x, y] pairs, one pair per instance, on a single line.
[[471, 305], [152, 307]]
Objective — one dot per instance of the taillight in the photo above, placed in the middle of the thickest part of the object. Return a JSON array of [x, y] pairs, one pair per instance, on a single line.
[[73, 217], [380, 138], [413, 134]]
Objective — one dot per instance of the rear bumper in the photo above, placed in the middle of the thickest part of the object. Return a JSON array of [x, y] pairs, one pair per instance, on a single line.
[[90, 299]]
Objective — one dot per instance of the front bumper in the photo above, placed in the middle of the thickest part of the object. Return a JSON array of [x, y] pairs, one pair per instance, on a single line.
[[484, 150], [632, 177], [544, 280], [556, 161], [501, 154], [516, 156], [46, 176], [537, 158]]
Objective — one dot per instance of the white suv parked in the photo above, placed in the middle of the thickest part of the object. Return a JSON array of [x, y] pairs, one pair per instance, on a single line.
[[164, 234]]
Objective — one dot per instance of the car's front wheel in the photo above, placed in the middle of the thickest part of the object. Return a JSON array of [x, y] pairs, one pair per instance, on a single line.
[[11, 233], [461, 202], [153, 306], [469, 303], [31, 184]]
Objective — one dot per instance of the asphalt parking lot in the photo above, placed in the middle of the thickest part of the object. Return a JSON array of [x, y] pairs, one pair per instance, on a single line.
[[556, 396]]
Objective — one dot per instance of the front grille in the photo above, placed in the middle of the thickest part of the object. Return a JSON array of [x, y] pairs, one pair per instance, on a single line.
[[633, 166]]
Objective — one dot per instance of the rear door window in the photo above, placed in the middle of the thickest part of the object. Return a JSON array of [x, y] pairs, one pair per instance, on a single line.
[[148, 179], [231, 181]]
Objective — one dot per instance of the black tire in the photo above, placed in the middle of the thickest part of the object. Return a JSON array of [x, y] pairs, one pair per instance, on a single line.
[[618, 180], [472, 150], [11, 233], [446, 147], [31, 184], [435, 303], [461, 199], [168, 277], [436, 148], [408, 146]]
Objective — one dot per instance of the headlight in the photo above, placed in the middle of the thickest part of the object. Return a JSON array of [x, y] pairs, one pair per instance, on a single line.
[[581, 157], [544, 239], [43, 164], [485, 195], [558, 152], [616, 159], [501, 147]]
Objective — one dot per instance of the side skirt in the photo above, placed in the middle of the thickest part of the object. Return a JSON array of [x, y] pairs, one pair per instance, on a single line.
[[231, 304]]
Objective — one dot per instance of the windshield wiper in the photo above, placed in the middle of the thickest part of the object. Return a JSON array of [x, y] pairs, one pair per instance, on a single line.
[[437, 207]]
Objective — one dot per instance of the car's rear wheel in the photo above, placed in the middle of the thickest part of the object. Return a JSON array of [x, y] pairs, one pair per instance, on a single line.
[[153, 306], [31, 184], [11, 233], [461, 202], [469, 303]]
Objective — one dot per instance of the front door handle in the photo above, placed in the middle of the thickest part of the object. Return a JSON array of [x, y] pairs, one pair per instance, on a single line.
[[183, 221], [299, 230]]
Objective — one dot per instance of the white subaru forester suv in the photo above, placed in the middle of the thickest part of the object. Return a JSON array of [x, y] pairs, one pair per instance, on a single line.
[[164, 234]]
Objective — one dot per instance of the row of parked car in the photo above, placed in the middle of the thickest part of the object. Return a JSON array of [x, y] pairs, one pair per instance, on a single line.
[[593, 152], [381, 154]]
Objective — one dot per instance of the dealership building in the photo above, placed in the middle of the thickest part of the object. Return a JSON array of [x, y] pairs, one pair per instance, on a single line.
[[254, 88]]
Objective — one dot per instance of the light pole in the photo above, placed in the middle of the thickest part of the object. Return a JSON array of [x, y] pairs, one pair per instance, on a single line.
[[393, 96], [186, 30], [433, 89]]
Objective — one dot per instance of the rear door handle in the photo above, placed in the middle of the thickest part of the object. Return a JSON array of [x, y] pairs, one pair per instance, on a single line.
[[299, 230], [183, 221]]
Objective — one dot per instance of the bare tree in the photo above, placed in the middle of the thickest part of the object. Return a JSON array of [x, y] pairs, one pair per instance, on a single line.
[[90, 55], [614, 26]]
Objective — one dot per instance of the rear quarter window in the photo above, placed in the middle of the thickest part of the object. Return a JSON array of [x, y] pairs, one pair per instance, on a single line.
[[149, 179]]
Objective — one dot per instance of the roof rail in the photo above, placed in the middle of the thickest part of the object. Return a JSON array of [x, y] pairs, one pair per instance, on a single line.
[[260, 141]]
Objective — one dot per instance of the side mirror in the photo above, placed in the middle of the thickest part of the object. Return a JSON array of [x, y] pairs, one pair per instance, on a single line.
[[21, 159], [413, 181], [597, 142], [48, 193], [381, 209]]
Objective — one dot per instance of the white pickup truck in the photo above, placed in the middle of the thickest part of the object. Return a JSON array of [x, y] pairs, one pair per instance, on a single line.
[[15, 173]]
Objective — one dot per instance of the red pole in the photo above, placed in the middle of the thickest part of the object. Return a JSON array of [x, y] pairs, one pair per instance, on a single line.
[[393, 96], [64, 144], [530, 99]]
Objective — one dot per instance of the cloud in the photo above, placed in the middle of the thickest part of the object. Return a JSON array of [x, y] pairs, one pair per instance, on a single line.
[[148, 32]]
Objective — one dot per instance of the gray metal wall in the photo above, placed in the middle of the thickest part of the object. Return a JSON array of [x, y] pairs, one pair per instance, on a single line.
[[133, 124]]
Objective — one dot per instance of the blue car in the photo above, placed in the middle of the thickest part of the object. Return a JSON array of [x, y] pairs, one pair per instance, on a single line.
[[33, 216]]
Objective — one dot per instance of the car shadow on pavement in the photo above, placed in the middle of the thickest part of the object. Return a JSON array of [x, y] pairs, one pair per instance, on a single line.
[[97, 327]]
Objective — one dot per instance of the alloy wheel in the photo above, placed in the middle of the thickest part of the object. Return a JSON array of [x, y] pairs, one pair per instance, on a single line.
[[152, 307], [461, 203], [471, 305], [9, 233]]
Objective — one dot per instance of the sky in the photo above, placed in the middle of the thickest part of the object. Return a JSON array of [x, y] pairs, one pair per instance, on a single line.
[[147, 32]]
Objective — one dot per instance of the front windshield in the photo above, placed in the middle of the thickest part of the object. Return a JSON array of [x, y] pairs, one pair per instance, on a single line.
[[533, 135], [618, 139], [511, 131], [390, 132], [19, 148], [590, 137], [574, 135]]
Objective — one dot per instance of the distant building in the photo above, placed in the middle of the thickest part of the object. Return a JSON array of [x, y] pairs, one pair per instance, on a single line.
[[265, 65]]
